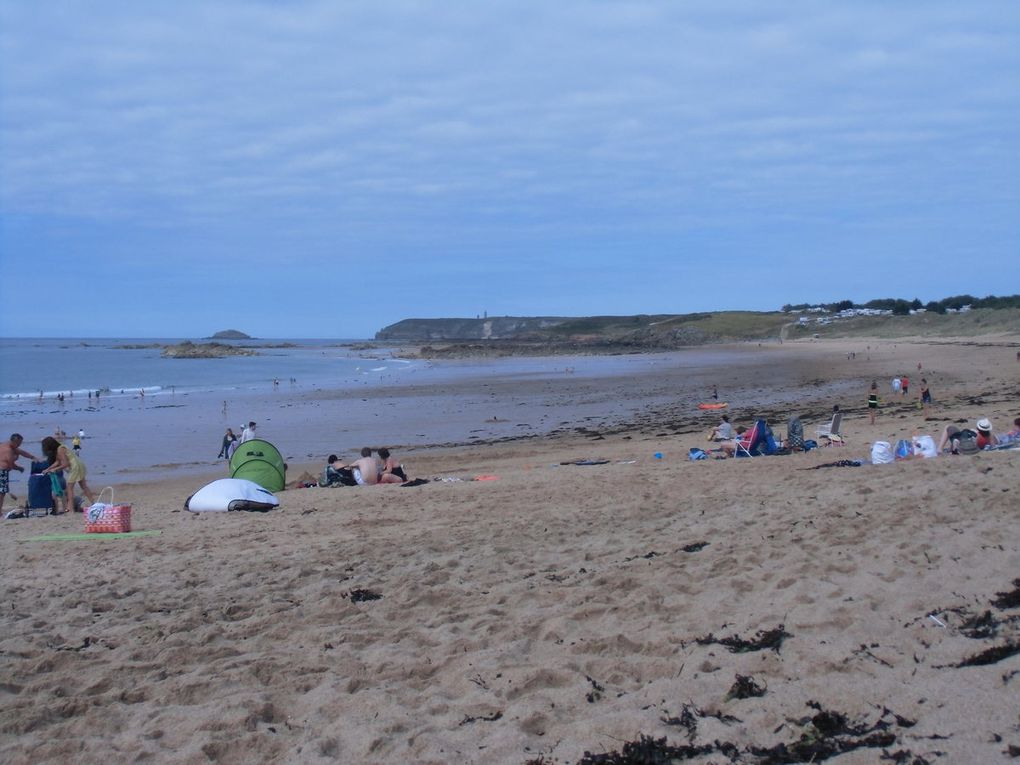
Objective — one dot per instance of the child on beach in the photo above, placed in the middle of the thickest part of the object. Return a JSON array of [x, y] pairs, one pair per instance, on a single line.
[[925, 397], [873, 401]]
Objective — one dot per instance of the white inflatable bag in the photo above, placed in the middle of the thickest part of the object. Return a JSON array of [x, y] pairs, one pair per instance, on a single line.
[[925, 446], [228, 494], [881, 453]]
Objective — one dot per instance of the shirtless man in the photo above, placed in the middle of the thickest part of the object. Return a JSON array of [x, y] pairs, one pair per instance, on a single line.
[[365, 469], [9, 453], [368, 472]]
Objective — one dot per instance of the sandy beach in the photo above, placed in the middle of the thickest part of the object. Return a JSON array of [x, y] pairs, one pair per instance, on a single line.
[[754, 611]]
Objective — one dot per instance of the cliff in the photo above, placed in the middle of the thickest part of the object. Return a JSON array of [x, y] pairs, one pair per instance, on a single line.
[[450, 330]]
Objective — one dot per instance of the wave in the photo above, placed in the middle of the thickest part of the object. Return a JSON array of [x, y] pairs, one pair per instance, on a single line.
[[42, 395]]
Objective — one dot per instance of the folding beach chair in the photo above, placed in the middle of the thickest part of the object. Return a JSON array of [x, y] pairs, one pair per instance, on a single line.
[[751, 442], [831, 432], [756, 441], [795, 435]]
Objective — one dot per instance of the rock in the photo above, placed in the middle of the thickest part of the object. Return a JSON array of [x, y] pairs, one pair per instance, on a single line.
[[189, 350]]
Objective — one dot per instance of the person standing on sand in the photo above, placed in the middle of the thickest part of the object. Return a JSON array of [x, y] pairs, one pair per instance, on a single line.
[[905, 385], [228, 440], [63, 458], [925, 397], [9, 453], [248, 433], [873, 401]]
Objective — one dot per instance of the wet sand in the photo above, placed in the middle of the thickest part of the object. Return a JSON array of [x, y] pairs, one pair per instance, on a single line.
[[558, 609]]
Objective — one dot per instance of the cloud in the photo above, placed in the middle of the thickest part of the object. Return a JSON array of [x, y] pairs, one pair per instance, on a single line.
[[429, 132]]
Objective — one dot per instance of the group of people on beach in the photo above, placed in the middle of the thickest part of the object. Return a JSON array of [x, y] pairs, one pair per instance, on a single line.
[[954, 440], [900, 387], [231, 441], [59, 459], [367, 470]]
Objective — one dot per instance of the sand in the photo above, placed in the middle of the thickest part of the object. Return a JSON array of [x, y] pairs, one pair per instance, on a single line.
[[556, 610]]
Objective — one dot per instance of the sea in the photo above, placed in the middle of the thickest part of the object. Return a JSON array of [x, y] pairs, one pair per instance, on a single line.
[[147, 417]]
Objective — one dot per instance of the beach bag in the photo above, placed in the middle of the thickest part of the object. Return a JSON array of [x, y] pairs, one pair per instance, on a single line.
[[904, 450], [696, 454], [881, 453], [107, 517], [925, 446]]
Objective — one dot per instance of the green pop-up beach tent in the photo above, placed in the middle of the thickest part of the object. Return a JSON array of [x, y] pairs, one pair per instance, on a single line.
[[260, 462]]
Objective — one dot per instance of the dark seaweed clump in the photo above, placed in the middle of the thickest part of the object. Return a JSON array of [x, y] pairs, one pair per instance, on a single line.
[[981, 627], [744, 687], [762, 640], [991, 656], [825, 734], [1009, 599], [360, 596], [649, 751]]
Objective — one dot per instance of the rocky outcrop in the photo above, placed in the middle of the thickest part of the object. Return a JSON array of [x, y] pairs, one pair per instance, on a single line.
[[190, 350], [231, 334]]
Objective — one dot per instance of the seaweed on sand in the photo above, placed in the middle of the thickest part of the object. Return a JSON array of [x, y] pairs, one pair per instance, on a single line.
[[991, 656], [1009, 599], [763, 639], [980, 627], [688, 719], [825, 734], [360, 596], [745, 687], [648, 751]]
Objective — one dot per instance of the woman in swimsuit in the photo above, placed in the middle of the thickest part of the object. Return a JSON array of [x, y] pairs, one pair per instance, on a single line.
[[64, 459]]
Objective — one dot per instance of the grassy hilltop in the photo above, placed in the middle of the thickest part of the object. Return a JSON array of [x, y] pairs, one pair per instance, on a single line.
[[509, 336]]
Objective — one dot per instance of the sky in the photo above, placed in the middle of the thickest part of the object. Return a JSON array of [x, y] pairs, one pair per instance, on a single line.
[[324, 169]]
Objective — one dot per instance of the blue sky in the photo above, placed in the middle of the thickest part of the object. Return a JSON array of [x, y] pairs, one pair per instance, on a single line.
[[323, 169]]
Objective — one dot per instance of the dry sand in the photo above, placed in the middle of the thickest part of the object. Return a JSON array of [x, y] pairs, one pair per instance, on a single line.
[[554, 611]]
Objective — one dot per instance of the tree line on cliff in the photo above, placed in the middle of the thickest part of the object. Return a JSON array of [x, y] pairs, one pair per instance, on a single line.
[[901, 307]]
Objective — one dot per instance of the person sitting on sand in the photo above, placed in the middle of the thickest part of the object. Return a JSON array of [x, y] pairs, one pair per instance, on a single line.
[[391, 466], [9, 453], [724, 430], [743, 439], [335, 474], [62, 458], [366, 470], [984, 435]]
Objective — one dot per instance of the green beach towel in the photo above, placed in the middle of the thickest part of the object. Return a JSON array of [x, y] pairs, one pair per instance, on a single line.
[[79, 537]]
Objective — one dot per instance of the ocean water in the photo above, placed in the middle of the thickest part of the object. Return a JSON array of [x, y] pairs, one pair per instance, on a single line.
[[30, 367]]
